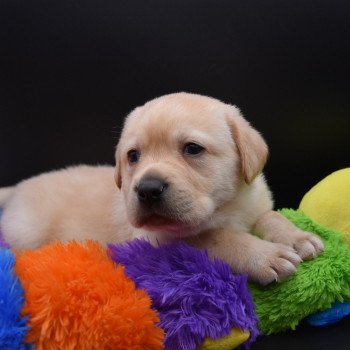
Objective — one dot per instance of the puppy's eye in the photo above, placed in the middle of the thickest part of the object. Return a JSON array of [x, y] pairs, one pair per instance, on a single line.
[[192, 149], [133, 156]]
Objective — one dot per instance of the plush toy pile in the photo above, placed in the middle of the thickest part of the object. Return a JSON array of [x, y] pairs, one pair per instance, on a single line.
[[76, 297], [138, 297]]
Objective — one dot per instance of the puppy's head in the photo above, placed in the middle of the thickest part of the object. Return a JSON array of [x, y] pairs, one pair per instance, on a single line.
[[180, 158]]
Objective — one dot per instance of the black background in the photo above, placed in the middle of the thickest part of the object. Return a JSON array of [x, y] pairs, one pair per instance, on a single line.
[[71, 70]]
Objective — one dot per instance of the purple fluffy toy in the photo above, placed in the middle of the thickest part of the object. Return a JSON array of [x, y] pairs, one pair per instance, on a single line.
[[196, 297]]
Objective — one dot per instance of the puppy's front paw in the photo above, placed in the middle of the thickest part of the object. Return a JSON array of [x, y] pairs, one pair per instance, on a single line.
[[306, 244], [272, 262], [274, 227]]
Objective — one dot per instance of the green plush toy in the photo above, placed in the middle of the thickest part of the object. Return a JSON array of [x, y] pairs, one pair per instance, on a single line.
[[314, 287], [320, 286]]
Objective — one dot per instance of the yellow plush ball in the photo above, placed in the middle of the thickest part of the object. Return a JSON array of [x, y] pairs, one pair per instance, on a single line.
[[328, 203]]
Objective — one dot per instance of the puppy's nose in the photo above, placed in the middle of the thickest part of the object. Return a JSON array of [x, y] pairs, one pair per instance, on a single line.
[[150, 190]]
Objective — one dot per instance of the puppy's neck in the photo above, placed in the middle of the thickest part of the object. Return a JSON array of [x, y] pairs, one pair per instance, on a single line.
[[241, 212]]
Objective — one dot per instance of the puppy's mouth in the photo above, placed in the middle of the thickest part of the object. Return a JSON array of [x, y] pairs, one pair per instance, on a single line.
[[173, 214], [160, 223]]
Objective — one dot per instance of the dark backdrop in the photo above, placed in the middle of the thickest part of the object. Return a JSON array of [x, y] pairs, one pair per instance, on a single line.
[[71, 70]]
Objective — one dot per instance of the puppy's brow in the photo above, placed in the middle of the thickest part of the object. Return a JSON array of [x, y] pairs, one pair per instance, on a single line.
[[131, 145], [194, 136]]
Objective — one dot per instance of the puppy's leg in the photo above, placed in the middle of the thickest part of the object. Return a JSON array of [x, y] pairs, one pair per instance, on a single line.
[[264, 262], [274, 227]]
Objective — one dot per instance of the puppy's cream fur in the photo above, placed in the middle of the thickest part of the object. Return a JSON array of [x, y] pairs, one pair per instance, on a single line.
[[215, 199]]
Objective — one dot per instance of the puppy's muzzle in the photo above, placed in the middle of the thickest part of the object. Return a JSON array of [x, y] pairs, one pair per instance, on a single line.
[[151, 190]]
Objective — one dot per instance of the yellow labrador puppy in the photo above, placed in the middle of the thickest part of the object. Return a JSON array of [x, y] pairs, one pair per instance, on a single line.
[[187, 167]]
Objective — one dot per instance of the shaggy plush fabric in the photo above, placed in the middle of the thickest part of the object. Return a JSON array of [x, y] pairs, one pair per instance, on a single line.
[[78, 299], [196, 297], [13, 328], [329, 316], [315, 286]]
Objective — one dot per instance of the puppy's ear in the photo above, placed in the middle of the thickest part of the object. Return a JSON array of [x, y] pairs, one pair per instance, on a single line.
[[252, 148], [117, 172]]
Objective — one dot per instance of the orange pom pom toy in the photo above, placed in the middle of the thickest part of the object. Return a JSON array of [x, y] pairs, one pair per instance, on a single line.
[[77, 298]]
